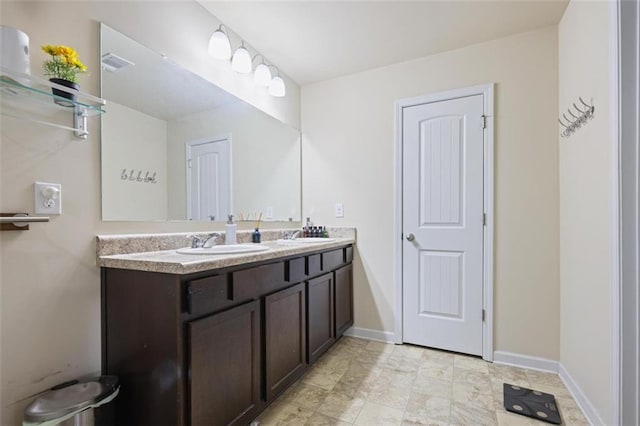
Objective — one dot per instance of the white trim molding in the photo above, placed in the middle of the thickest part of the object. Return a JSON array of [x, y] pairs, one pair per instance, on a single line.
[[368, 334], [525, 361], [579, 396], [614, 207], [487, 91], [397, 222]]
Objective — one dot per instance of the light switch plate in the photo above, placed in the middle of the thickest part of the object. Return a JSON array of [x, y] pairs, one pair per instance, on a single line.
[[339, 210], [48, 205], [269, 213]]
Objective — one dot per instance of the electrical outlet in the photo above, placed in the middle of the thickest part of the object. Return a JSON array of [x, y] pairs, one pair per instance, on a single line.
[[48, 198], [269, 213], [339, 210]]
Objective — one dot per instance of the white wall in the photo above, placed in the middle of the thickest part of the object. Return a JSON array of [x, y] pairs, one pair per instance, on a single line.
[[126, 199], [585, 179], [49, 283], [348, 142], [265, 160]]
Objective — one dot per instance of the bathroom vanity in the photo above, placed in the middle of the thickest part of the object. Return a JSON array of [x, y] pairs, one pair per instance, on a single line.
[[213, 341]]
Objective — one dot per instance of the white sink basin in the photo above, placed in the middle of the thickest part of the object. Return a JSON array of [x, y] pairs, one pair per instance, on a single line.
[[223, 249], [305, 240]]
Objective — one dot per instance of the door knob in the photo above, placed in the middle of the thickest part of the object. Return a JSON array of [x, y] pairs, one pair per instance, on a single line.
[[410, 237]]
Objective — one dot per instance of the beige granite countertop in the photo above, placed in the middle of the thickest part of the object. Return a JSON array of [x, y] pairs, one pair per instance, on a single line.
[[116, 252]]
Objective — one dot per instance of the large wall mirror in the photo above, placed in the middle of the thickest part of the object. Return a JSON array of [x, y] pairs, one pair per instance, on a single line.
[[177, 147]]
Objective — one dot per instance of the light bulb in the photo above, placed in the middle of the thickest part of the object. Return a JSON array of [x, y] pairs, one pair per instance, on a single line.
[[262, 75], [241, 61], [219, 46], [276, 87]]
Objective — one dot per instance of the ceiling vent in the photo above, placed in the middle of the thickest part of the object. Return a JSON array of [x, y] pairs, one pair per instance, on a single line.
[[115, 63]]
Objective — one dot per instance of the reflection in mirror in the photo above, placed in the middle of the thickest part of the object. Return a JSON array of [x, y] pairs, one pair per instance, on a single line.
[[177, 147]]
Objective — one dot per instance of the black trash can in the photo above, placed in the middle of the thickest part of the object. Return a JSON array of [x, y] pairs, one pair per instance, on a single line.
[[71, 403]]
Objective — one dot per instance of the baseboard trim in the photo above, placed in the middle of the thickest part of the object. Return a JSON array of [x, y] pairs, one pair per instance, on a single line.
[[581, 399], [526, 361], [366, 333]]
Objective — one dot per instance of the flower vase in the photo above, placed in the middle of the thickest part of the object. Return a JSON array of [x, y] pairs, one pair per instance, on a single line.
[[62, 94]]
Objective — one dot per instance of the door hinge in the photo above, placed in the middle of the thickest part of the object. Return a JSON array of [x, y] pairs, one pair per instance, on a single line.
[[484, 121], [483, 315], [189, 162], [484, 219]]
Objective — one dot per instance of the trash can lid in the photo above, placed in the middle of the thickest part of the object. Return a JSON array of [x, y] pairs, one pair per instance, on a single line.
[[61, 401]]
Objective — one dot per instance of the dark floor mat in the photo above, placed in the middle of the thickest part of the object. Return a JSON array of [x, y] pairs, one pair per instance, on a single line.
[[531, 403]]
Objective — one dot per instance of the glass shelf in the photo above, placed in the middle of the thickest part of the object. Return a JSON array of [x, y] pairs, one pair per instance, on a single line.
[[30, 98]]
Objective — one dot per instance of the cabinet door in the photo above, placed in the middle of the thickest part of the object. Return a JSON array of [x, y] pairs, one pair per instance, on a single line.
[[344, 299], [321, 329], [224, 359], [285, 338]]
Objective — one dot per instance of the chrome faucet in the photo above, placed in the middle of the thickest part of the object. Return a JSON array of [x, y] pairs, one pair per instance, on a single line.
[[291, 235], [203, 242], [211, 237], [195, 241]]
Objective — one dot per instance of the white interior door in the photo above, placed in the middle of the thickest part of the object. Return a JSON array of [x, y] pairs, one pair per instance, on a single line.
[[209, 179], [442, 250]]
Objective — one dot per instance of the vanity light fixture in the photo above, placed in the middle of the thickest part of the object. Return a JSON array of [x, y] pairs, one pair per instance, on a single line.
[[241, 60], [276, 87], [262, 75], [219, 45]]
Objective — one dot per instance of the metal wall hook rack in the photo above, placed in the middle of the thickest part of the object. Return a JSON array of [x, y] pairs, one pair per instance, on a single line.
[[584, 114], [19, 221], [136, 176]]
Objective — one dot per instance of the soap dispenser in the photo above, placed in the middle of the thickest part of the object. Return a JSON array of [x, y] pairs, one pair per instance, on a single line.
[[230, 234]]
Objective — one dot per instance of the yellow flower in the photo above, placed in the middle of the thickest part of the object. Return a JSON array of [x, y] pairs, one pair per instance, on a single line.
[[47, 48], [76, 63], [67, 52], [64, 51]]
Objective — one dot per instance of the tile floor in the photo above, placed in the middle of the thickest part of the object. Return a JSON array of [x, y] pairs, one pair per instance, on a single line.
[[370, 383]]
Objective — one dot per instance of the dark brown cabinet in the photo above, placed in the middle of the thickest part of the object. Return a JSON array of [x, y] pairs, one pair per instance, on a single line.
[[320, 315], [224, 360], [344, 299], [216, 347], [285, 342]]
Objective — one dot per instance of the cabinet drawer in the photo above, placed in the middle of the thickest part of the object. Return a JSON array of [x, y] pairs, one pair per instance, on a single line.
[[296, 270], [208, 294], [349, 252], [255, 282], [314, 265], [332, 259]]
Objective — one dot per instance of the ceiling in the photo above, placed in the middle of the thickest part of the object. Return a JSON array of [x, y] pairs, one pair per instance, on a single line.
[[312, 41]]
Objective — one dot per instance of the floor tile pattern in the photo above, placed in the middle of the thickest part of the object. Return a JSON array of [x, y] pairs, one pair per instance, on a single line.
[[361, 382]]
